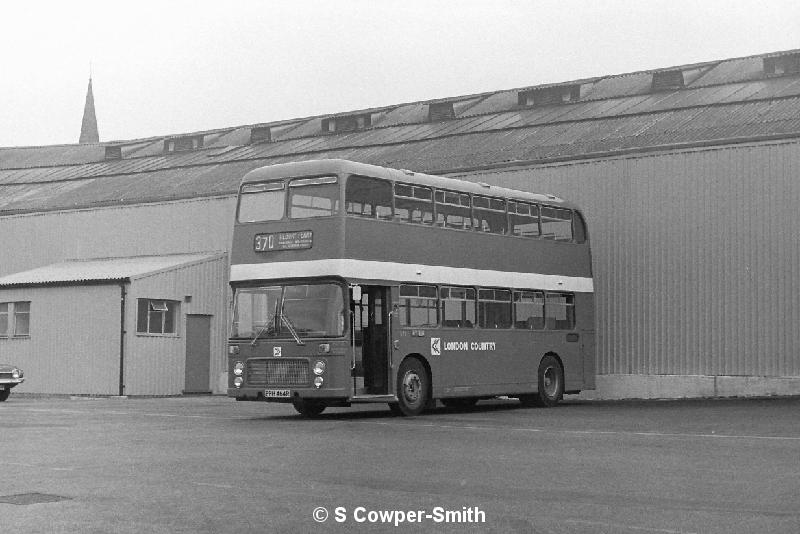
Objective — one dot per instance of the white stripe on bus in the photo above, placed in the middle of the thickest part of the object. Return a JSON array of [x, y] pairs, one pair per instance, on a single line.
[[405, 272]]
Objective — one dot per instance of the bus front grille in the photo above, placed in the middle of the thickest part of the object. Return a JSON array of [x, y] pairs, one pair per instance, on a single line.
[[277, 372]]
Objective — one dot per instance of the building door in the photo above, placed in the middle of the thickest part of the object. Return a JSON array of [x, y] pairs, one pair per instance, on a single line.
[[198, 353]]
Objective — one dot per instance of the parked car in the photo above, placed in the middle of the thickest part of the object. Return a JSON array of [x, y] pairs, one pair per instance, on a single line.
[[10, 376]]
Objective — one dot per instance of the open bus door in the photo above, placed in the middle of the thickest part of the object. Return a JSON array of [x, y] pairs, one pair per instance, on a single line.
[[369, 307]]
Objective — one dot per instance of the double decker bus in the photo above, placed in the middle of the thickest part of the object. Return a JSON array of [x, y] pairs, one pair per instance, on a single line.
[[356, 283]]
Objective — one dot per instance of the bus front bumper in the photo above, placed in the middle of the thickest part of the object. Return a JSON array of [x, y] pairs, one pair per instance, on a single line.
[[279, 394]]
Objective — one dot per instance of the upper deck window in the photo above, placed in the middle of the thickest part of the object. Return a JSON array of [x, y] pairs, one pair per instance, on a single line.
[[368, 197], [313, 197], [262, 202], [524, 219], [413, 203], [489, 215], [556, 223], [452, 210]]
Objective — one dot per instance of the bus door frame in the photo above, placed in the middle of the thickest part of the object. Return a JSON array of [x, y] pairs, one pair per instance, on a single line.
[[376, 337]]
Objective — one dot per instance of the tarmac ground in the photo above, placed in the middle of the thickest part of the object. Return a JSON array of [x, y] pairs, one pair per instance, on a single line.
[[210, 464]]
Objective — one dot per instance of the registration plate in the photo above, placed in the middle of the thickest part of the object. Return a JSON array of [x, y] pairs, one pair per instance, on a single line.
[[277, 393]]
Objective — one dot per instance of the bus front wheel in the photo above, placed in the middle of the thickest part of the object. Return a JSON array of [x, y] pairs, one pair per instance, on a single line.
[[413, 388], [308, 408], [551, 384]]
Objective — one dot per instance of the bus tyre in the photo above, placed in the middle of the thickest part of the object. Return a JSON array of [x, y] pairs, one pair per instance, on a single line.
[[4, 394], [551, 384], [413, 387], [308, 408]]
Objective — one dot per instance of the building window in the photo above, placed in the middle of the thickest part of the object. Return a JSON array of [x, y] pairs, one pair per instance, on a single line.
[[15, 319], [157, 316]]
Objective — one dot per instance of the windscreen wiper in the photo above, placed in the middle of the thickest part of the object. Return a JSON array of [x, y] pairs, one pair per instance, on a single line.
[[291, 329], [267, 325]]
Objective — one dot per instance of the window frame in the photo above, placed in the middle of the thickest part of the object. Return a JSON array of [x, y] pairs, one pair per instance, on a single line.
[[12, 315], [172, 308], [376, 213], [405, 311], [468, 304], [414, 198], [488, 301]]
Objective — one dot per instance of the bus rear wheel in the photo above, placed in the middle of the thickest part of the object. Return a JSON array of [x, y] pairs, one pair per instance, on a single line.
[[551, 384], [308, 408], [413, 387]]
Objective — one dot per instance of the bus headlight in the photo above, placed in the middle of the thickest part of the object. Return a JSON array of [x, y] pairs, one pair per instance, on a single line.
[[238, 368], [318, 382], [319, 367], [238, 381], [16, 373]]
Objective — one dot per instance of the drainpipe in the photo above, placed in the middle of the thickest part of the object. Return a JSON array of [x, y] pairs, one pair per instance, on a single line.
[[122, 339]]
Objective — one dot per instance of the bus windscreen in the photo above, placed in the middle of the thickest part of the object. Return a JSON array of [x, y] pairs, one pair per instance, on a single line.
[[311, 310]]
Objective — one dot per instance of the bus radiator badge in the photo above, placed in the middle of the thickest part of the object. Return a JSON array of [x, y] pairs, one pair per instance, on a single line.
[[276, 352]]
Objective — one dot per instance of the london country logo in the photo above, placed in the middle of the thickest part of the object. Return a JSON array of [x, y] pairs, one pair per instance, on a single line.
[[436, 346]]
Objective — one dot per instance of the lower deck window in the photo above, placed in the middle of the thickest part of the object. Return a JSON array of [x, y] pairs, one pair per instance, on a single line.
[[458, 307], [494, 308], [418, 306], [156, 316]]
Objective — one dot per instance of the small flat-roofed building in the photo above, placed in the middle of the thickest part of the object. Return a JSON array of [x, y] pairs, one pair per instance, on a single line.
[[145, 325]]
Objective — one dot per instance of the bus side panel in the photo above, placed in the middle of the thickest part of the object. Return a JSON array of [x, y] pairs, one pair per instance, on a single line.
[[589, 358]]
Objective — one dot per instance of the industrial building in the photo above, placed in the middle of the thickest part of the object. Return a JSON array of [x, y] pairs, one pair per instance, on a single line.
[[688, 177]]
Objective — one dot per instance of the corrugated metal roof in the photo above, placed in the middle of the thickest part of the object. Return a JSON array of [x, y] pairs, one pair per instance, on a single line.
[[725, 100], [104, 269]]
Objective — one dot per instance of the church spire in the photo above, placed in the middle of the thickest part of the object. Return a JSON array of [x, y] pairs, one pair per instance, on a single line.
[[89, 133]]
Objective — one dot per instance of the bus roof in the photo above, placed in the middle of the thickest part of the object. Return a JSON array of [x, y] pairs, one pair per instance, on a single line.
[[343, 166]]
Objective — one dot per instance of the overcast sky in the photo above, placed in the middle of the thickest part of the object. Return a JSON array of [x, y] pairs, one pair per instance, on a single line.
[[165, 67]]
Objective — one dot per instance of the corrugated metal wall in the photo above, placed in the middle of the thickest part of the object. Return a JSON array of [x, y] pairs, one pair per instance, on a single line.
[[60, 356], [696, 256], [155, 365], [147, 229]]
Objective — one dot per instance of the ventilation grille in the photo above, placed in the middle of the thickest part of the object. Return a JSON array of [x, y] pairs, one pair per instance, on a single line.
[[183, 143], [260, 134], [277, 373], [347, 123], [779, 65], [441, 111], [113, 152], [667, 80], [550, 96]]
